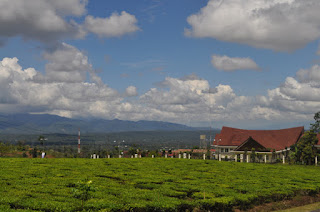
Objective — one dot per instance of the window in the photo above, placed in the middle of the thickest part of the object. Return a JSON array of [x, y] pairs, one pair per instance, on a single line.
[[222, 149], [227, 150]]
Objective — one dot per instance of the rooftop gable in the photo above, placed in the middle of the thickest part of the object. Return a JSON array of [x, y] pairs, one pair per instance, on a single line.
[[271, 139]]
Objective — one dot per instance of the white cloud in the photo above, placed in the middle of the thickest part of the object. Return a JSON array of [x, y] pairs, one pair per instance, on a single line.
[[226, 63], [282, 25], [67, 64], [131, 91], [113, 26], [49, 21], [187, 100], [42, 20]]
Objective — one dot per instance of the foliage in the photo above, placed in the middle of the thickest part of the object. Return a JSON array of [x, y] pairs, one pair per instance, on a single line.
[[148, 184], [306, 151], [83, 191], [316, 126]]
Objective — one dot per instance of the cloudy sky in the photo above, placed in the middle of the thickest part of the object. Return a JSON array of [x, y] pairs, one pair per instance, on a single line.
[[249, 64]]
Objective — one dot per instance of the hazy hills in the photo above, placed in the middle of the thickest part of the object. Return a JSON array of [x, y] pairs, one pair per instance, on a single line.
[[45, 124]]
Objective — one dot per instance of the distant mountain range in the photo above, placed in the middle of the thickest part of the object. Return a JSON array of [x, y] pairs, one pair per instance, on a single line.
[[44, 124]]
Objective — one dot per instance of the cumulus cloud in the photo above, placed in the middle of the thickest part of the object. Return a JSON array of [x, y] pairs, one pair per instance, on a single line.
[[113, 26], [67, 64], [281, 25], [50, 21], [42, 20], [228, 64], [300, 94], [131, 91], [186, 100]]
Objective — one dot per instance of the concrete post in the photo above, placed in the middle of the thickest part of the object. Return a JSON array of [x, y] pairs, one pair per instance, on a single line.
[[204, 156], [131, 156], [139, 156], [136, 155], [184, 155], [283, 159], [152, 156], [119, 156], [316, 160], [189, 156], [265, 158], [247, 158], [94, 156], [98, 156], [241, 158], [166, 156], [179, 156], [219, 157], [235, 158]]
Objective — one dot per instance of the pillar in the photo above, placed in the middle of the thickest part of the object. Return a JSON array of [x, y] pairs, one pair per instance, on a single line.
[[283, 159], [189, 156], [236, 158], [219, 157], [166, 156], [241, 158], [136, 155], [119, 156], [204, 156], [179, 156], [152, 156], [265, 158], [247, 158], [316, 160]]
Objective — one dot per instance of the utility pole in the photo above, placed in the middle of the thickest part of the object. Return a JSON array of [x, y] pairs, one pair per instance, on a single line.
[[79, 142]]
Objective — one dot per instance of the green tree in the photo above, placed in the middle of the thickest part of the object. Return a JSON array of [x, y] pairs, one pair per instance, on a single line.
[[306, 145], [316, 126]]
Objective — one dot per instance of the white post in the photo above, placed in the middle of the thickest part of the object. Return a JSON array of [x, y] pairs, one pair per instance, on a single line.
[[131, 156], [166, 156], [98, 156], [235, 158], [204, 156], [136, 155], [119, 156], [94, 156], [189, 156], [241, 158], [265, 158], [108, 156], [179, 156], [219, 157], [184, 155], [139, 156], [316, 160], [247, 158], [283, 159], [152, 156]]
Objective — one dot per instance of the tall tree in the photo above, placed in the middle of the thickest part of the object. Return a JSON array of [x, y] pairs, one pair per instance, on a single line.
[[305, 148], [316, 126]]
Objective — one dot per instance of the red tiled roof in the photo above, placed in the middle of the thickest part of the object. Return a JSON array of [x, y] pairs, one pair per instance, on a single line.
[[273, 139]]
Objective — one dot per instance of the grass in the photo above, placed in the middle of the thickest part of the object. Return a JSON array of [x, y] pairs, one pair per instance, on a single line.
[[149, 184]]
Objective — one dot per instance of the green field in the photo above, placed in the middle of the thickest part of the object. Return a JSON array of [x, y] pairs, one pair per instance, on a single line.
[[149, 184]]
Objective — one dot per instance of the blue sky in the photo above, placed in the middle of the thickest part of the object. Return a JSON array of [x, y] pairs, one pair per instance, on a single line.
[[251, 64]]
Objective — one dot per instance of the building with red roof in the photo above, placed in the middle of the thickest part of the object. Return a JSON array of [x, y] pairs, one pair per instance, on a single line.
[[233, 143]]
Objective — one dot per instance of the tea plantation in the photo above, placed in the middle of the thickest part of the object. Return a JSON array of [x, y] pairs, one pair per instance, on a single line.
[[149, 184]]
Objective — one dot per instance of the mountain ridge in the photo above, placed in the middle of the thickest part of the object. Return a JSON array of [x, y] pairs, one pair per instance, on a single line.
[[45, 123]]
